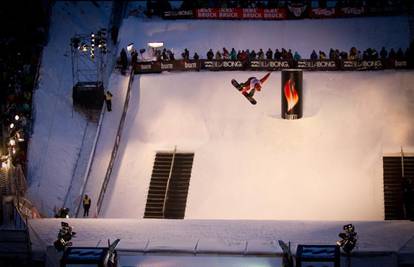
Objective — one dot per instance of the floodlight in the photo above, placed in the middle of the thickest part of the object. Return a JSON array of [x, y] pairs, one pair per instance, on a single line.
[[156, 44], [130, 46], [12, 142], [16, 117]]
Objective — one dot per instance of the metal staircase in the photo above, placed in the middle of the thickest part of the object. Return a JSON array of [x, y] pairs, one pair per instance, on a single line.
[[396, 170], [167, 193]]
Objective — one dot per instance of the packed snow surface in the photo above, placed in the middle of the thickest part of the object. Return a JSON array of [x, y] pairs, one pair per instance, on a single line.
[[249, 163]]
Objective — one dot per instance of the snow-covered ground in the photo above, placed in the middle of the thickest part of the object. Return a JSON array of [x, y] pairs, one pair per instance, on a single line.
[[249, 163], [238, 147], [378, 242], [58, 129]]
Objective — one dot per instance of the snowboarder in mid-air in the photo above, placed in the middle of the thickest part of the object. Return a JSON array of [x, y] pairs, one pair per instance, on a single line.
[[249, 87]]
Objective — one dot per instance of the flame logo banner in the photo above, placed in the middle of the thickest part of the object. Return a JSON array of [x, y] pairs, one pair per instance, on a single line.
[[291, 94]]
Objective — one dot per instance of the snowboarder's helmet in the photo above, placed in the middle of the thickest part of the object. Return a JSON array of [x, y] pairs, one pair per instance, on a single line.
[[256, 84]]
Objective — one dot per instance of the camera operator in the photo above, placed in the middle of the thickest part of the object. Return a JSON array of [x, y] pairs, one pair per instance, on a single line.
[[64, 236]]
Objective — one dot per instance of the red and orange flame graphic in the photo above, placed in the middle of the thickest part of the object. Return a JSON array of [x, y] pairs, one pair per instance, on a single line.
[[291, 94]]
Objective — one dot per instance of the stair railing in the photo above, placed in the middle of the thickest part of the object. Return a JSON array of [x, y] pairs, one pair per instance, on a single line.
[[403, 182], [402, 163], [168, 182]]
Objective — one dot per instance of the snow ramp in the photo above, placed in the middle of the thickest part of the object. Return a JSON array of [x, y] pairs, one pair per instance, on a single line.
[[249, 163]]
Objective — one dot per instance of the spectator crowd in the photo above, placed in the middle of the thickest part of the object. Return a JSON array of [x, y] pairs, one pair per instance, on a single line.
[[287, 55]]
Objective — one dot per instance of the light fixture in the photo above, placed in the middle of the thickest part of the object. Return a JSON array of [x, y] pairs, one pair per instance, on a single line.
[[156, 44], [130, 46], [11, 125], [16, 117], [19, 136]]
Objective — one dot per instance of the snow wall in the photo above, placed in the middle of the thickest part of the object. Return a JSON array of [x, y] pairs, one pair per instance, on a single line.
[[251, 164]]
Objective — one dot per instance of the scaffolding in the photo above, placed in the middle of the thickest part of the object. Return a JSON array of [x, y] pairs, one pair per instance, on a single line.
[[88, 52]]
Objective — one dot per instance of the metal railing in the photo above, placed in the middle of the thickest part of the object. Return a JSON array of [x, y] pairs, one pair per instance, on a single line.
[[116, 144], [168, 182]]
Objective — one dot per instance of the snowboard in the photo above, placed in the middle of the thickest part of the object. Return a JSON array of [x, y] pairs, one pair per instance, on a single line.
[[239, 87], [287, 254]]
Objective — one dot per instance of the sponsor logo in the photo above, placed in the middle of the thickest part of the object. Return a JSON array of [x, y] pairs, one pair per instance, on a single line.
[[291, 116], [228, 14], [273, 14], [297, 9], [167, 66], [223, 64], [323, 11], [304, 64], [291, 94], [190, 65], [366, 64], [352, 10], [251, 13], [145, 67], [206, 13], [269, 64], [180, 13], [185, 12], [400, 63]]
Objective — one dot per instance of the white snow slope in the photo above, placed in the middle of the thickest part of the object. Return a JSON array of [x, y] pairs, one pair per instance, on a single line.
[[249, 163], [58, 130]]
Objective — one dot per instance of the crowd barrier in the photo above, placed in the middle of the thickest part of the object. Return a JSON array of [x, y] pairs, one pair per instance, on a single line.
[[268, 65]]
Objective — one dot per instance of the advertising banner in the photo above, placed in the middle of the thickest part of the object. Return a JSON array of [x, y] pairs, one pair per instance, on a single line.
[[297, 10], [241, 13], [275, 13], [229, 13], [322, 13], [179, 14], [292, 94], [362, 65], [400, 64], [252, 13], [317, 64], [186, 65], [351, 11], [222, 65], [147, 67], [269, 64], [207, 13]]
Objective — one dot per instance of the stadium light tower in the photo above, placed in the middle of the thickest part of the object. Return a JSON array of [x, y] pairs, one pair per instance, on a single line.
[[88, 52]]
